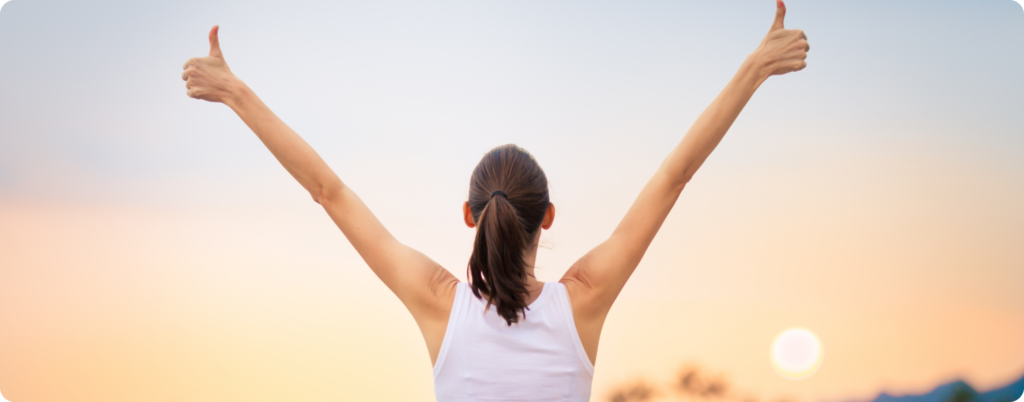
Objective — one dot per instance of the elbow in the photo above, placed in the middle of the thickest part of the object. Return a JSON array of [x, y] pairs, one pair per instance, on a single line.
[[687, 173], [326, 193], [684, 179], [678, 181], [676, 174]]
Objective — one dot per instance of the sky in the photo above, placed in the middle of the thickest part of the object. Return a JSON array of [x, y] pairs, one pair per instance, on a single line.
[[151, 249]]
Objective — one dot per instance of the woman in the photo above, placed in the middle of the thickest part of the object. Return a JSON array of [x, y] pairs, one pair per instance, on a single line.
[[505, 335]]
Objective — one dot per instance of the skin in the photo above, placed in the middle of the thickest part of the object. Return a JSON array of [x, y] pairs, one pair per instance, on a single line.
[[426, 288]]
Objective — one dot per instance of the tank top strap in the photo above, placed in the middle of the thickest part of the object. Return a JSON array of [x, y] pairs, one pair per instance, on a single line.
[[565, 305], [462, 298]]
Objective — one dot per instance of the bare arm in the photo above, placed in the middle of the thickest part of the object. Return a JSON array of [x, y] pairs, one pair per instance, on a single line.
[[421, 284], [596, 279]]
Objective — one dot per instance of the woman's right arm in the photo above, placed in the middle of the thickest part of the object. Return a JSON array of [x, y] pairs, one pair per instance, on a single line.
[[419, 282], [595, 280]]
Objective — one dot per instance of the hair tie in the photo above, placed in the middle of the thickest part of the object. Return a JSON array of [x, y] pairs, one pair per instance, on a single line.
[[499, 192]]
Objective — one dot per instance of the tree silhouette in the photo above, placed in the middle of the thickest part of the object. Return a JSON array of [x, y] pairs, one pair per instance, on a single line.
[[961, 393], [635, 392], [695, 383], [692, 383]]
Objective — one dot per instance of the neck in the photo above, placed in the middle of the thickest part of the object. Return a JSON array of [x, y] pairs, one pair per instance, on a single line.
[[530, 258]]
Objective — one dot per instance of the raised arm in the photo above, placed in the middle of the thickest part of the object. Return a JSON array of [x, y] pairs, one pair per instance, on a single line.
[[421, 284], [596, 279]]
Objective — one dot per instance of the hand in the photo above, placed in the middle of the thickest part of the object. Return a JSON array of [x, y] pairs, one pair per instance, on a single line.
[[209, 78], [782, 50]]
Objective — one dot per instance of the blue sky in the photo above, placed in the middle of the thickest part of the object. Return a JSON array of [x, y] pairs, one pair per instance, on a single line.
[[94, 84]]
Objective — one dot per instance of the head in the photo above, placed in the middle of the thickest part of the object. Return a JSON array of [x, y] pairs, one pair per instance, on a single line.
[[507, 226]]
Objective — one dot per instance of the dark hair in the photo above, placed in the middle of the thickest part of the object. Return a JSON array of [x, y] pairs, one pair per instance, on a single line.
[[505, 226]]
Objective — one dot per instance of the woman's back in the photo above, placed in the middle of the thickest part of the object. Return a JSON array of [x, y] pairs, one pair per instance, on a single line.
[[540, 358]]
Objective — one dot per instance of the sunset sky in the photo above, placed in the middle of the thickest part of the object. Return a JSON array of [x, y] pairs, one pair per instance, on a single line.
[[152, 250]]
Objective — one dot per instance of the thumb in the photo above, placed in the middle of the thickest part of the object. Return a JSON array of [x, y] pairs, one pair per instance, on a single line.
[[780, 15], [215, 42]]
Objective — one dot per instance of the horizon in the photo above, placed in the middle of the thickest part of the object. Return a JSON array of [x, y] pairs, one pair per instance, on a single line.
[[629, 391]]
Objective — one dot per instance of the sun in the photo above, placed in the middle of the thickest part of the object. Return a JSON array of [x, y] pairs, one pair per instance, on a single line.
[[796, 353]]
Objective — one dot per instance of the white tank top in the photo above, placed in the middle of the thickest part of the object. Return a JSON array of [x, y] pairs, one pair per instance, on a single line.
[[538, 359]]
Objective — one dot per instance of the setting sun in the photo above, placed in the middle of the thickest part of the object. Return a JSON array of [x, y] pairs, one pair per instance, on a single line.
[[796, 353]]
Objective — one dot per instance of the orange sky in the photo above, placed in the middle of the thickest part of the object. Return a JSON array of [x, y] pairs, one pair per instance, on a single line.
[[267, 302]]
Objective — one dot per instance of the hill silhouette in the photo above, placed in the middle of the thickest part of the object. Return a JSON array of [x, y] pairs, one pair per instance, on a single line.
[[959, 391]]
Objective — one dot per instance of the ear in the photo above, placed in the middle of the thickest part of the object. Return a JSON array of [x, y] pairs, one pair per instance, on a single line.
[[467, 215], [549, 217]]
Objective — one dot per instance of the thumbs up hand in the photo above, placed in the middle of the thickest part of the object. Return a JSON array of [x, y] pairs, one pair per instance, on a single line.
[[209, 78], [782, 50]]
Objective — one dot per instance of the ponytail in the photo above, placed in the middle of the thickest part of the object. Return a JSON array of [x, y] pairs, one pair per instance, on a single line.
[[508, 199]]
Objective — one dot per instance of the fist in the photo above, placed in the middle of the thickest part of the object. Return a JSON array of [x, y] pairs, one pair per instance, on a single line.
[[782, 50], [209, 78]]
